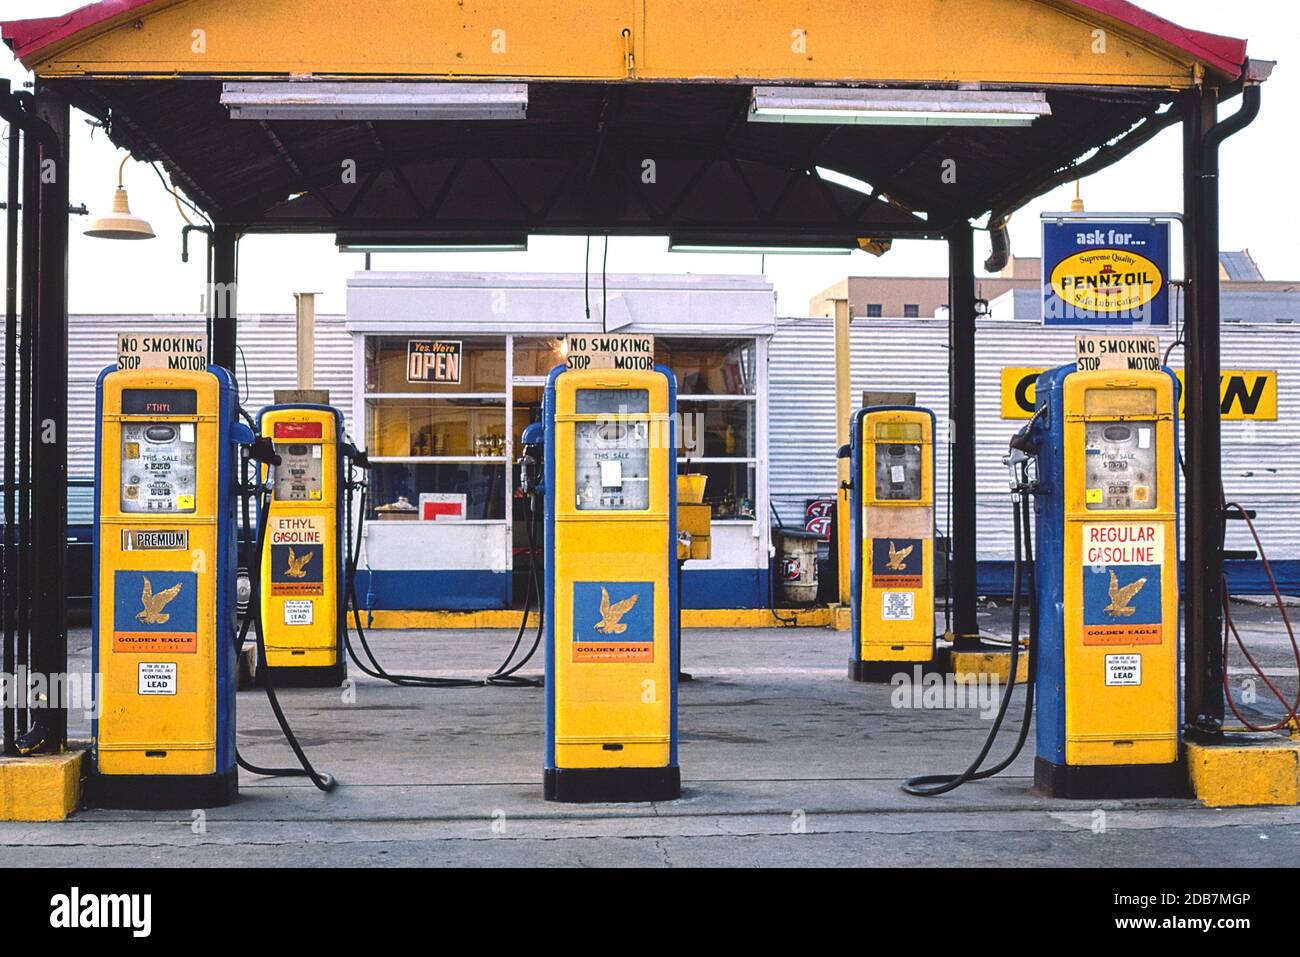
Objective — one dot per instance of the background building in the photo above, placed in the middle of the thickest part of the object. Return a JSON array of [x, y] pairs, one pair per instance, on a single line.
[[877, 297]]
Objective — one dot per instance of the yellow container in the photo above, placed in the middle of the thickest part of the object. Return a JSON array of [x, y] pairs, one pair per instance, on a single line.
[[690, 489]]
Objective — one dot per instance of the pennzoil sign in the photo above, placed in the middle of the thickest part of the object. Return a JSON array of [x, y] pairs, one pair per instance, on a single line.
[[1105, 274]]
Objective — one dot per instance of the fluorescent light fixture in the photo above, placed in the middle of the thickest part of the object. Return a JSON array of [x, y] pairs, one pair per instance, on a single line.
[[704, 247], [892, 107], [330, 100], [405, 241]]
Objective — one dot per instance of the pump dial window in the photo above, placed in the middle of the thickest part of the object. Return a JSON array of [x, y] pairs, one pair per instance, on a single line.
[[158, 467], [611, 465], [298, 476], [1120, 465], [898, 471]]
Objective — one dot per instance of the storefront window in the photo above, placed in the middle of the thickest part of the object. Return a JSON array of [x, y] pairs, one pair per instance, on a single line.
[[730, 489], [441, 491], [716, 429], [436, 428], [435, 365], [439, 446], [535, 357], [709, 366]]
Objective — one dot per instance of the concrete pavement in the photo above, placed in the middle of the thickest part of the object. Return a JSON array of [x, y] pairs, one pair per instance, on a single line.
[[784, 762]]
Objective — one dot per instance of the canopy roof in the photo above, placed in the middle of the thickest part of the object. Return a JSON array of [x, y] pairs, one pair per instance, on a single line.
[[622, 135]]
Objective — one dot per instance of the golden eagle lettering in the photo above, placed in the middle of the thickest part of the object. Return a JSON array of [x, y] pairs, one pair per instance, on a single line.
[[610, 614], [151, 610], [1119, 606]]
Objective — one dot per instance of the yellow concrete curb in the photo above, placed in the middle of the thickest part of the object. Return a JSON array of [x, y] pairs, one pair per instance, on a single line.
[[818, 617], [41, 788], [1252, 772], [965, 664]]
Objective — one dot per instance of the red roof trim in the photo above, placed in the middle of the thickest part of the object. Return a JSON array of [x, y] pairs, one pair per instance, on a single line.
[[27, 37], [1225, 54]]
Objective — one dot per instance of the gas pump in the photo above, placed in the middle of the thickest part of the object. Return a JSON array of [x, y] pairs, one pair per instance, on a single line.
[[1107, 584], [163, 609], [1098, 459], [892, 533], [303, 585], [611, 590]]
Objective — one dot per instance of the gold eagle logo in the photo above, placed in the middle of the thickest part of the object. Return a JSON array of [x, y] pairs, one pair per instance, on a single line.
[[610, 614], [296, 564], [896, 557], [1120, 597], [151, 605]]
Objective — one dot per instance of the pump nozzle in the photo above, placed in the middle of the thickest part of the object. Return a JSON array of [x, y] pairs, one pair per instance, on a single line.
[[355, 455], [263, 450], [530, 462]]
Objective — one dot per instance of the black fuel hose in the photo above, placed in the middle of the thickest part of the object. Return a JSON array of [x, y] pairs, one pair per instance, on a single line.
[[505, 675], [932, 785], [375, 669], [323, 781]]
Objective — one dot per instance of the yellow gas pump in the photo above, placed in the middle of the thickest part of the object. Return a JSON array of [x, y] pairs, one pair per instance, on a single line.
[[163, 609], [611, 589], [1107, 584], [302, 586], [892, 528]]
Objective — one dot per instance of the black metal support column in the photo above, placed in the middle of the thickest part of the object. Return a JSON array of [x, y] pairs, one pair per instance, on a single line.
[[222, 295], [10, 555], [26, 362], [49, 649], [1203, 508], [961, 417]]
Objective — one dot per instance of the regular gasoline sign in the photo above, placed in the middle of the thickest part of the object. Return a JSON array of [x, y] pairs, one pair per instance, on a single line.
[[1105, 274]]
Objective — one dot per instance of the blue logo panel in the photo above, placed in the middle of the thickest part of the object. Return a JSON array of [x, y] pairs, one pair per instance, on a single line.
[[1122, 605], [155, 612], [297, 569], [613, 621], [897, 562]]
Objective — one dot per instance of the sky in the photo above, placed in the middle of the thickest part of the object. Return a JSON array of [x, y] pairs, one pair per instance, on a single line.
[[1260, 207]]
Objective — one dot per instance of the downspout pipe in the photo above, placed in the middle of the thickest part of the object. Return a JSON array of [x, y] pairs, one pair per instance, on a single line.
[[1251, 96]]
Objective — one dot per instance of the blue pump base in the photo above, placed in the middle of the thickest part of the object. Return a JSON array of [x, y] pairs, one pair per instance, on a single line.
[[1102, 781], [159, 792], [883, 672], [315, 676], [612, 785]]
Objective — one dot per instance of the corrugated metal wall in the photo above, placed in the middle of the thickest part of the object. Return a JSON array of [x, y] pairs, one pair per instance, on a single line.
[[267, 344], [1261, 459]]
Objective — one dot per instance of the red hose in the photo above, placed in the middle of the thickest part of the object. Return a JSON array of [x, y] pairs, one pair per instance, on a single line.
[[1230, 629]]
